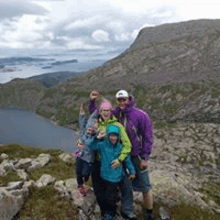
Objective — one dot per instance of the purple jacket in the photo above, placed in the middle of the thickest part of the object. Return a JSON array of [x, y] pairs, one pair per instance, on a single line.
[[138, 126]]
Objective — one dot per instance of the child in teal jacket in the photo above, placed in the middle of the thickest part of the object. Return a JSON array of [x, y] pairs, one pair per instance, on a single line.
[[109, 149]]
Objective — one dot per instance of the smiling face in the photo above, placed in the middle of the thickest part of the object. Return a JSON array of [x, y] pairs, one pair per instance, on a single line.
[[105, 114], [113, 138], [122, 102]]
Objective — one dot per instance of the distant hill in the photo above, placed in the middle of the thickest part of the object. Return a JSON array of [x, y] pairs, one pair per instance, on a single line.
[[51, 79], [172, 70], [21, 93]]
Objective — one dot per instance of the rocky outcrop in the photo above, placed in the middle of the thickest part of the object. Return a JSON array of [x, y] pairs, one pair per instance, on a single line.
[[12, 199], [184, 160]]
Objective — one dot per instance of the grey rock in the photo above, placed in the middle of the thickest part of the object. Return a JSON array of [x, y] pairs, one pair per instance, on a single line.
[[45, 180], [164, 214], [4, 156], [14, 185], [22, 174], [11, 202], [23, 163], [66, 157], [39, 162]]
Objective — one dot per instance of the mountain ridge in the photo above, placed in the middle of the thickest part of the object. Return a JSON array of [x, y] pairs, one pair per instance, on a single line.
[[176, 79]]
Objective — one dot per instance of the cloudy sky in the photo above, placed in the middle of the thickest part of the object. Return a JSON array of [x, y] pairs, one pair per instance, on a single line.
[[90, 24]]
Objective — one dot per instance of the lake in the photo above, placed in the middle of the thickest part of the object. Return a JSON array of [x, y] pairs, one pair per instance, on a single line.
[[24, 127]]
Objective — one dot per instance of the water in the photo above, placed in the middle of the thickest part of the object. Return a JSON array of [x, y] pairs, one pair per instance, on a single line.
[[24, 127], [28, 63]]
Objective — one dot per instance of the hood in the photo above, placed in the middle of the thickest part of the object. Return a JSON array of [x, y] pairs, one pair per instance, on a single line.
[[113, 129], [130, 106], [131, 101]]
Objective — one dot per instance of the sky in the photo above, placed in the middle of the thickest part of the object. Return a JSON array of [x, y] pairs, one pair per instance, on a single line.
[[91, 24]]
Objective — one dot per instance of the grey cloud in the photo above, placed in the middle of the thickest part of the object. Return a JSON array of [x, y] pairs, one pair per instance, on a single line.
[[12, 8], [129, 24]]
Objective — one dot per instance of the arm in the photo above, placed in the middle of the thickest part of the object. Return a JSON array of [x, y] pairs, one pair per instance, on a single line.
[[82, 124], [116, 111], [129, 165], [92, 106], [146, 134], [92, 117], [92, 142], [126, 144]]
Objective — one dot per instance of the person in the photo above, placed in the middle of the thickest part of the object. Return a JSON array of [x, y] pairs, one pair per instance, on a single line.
[[106, 118], [110, 149], [84, 156], [139, 129]]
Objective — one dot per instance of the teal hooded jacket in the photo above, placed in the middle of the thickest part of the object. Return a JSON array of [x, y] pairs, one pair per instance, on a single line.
[[110, 152]]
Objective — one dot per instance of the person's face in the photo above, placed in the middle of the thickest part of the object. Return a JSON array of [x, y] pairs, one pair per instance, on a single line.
[[122, 102], [113, 138], [105, 114], [90, 130]]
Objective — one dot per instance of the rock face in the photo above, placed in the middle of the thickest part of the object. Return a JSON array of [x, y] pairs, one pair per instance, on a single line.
[[184, 158]]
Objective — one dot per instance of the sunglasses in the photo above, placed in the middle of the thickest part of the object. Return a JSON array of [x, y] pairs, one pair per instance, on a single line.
[[121, 99], [106, 110]]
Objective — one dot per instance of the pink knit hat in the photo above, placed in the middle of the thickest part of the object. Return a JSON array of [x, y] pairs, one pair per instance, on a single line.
[[105, 105]]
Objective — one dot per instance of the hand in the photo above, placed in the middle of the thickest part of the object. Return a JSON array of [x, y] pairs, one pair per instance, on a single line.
[[115, 164], [80, 145], [94, 95], [131, 177], [81, 109], [144, 164], [90, 130], [101, 135]]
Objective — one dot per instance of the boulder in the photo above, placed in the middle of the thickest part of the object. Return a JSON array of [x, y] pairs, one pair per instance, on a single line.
[[22, 174], [45, 180], [11, 202], [39, 162], [4, 156], [66, 157], [7, 165], [14, 185], [23, 163]]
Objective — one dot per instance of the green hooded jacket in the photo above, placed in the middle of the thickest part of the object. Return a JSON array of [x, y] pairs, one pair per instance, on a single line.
[[126, 144]]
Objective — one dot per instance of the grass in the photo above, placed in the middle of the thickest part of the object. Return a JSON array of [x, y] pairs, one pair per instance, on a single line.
[[44, 203], [56, 168], [10, 177]]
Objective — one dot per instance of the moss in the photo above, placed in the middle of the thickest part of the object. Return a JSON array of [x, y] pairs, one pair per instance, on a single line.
[[162, 125], [215, 94], [185, 211], [212, 191], [165, 88]]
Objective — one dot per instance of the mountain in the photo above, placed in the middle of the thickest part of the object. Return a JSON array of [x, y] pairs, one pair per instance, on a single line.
[[171, 69]]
